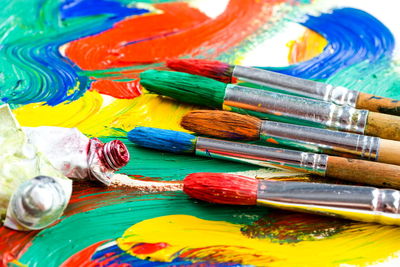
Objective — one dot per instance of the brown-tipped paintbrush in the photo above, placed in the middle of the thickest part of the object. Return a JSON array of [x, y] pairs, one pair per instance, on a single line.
[[360, 203], [230, 125], [337, 94]]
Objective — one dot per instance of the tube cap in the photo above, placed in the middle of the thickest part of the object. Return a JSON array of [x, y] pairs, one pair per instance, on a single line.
[[116, 154], [37, 203]]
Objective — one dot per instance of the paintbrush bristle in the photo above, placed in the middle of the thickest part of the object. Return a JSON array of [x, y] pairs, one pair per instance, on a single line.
[[184, 87], [166, 140], [213, 69], [222, 124], [222, 188]]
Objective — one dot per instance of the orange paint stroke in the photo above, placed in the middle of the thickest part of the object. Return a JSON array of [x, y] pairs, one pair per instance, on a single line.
[[272, 140], [178, 30], [309, 45], [122, 90]]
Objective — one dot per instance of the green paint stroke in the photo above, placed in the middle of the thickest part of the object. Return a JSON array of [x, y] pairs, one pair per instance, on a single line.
[[380, 78], [68, 237]]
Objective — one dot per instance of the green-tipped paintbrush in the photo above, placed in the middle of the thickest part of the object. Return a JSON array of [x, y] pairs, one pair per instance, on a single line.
[[275, 106]]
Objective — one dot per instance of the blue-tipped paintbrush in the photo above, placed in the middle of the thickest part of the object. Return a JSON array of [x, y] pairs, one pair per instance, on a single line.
[[347, 169]]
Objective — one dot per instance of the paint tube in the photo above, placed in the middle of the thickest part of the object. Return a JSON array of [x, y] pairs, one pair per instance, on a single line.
[[78, 156], [33, 194]]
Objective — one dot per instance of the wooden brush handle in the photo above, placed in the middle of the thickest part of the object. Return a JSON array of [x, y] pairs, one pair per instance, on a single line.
[[378, 104], [389, 152], [383, 125], [362, 171]]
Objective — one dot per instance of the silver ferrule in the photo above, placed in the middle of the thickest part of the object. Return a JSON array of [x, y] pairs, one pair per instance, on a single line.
[[320, 140], [262, 155], [276, 106], [360, 203], [336, 94]]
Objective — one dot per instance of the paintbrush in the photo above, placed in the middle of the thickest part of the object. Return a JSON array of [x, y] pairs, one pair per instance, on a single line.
[[264, 104], [230, 125], [354, 170], [337, 94], [360, 203]]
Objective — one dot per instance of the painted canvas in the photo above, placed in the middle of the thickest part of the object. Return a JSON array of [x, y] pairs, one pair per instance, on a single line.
[[76, 63]]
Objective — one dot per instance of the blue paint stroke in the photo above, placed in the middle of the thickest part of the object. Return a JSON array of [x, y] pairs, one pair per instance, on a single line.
[[120, 257], [80, 8], [353, 36], [165, 140], [31, 67]]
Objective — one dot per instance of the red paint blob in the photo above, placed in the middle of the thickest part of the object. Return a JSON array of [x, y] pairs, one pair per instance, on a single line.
[[148, 248], [117, 89], [221, 188]]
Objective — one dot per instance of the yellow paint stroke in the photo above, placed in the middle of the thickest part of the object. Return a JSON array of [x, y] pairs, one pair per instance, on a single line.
[[67, 114], [218, 241], [309, 45], [93, 119]]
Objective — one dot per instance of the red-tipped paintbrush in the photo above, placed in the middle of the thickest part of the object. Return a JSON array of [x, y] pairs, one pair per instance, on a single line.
[[359, 203], [337, 94]]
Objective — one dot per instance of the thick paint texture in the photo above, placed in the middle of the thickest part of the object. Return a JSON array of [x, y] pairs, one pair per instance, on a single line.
[[206, 233], [353, 36], [164, 140], [189, 34], [76, 63], [80, 8]]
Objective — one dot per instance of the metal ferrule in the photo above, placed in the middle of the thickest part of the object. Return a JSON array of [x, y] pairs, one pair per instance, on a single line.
[[360, 203], [263, 104], [320, 140], [336, 94], [262, 155]]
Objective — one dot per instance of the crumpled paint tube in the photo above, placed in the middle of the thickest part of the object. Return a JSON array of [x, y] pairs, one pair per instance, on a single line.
[[33, 194], [78, 156]]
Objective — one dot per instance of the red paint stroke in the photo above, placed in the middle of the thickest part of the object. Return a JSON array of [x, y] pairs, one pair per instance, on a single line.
[[13, 244], [107, 49], [122, 90], [178, 31], [83, 257]]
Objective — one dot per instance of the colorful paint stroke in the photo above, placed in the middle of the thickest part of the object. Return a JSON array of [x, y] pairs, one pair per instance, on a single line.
[[75, 63]]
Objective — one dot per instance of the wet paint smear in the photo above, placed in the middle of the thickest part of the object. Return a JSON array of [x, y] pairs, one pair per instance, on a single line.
[[113, 9], [75, 63], [353, 36], [31, 66], [190, 34], [170, 228]]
